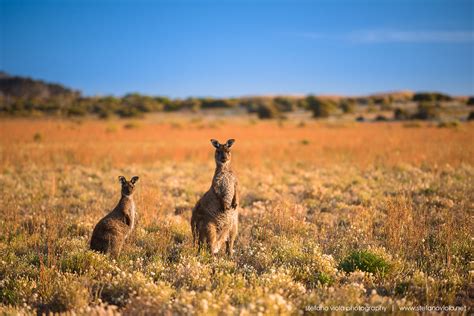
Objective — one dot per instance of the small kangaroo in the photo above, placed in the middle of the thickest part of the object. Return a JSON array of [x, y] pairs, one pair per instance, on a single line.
[[215, 217], [111, 231]]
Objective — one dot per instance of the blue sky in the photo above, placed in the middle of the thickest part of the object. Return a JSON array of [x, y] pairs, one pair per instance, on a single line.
[[232, 48]]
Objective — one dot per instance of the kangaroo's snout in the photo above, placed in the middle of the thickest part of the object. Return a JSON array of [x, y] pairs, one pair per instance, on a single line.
[[222, 156]]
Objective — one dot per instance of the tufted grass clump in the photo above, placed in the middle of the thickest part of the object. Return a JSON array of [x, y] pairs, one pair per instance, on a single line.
[[81, 262], [365, 260], [61, 292], [122, 288], [307, 263]]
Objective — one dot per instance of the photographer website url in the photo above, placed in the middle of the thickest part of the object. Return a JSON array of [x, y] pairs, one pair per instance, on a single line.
[[362, 308]]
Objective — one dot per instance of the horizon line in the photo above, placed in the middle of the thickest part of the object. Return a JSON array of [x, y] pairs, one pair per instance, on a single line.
[[244, 95]]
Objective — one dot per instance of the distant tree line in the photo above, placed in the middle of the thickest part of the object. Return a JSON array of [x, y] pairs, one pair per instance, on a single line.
[[21, 96]]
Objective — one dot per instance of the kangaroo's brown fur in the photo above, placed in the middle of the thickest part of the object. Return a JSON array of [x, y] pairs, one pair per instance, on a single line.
[[215, 217], [110, 233]]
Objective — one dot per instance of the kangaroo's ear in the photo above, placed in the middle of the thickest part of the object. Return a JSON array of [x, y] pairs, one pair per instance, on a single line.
[[230, 142], [215, 143], [122, 179], [134, 179]]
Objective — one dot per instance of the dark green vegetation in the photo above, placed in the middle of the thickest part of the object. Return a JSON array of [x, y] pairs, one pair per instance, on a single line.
[[27, 97], [365, 261]]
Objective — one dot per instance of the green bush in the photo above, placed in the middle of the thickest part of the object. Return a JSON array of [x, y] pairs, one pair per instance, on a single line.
[[173, 106], [141, 103], [284, 104], [302, 104], [267, 110], [401, 114], [348, 106], [426, 111], [76, 111], [129, 112], [321, 107], [216, 103], [105, 114], [385, 102], [371, 107], [192, 104], [366, 261], [430, 97]]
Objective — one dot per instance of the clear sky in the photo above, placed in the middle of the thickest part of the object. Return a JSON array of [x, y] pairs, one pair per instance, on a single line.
[[232, 48]]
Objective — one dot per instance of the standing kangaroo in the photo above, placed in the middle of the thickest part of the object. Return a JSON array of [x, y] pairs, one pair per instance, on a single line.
[[110, 233], [215, 217]]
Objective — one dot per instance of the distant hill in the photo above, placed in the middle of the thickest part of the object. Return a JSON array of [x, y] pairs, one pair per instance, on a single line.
[[27, 88], [394, 95], [21, 96]]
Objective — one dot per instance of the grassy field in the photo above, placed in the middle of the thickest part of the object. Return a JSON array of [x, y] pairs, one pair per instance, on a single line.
[[332, 213]]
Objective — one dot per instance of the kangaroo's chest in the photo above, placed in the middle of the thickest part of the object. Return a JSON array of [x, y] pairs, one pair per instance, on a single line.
[[132, 215], [224, 186]]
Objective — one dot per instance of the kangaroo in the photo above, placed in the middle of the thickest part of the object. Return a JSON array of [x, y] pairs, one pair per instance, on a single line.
[[215, 217], [110, 233]]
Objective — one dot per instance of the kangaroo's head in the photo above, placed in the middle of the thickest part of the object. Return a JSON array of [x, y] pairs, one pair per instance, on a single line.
[[223, 154], [128, 187]]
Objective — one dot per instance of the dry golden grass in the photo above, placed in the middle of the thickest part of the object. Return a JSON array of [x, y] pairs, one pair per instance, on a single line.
[[118, 143], [313, 195]]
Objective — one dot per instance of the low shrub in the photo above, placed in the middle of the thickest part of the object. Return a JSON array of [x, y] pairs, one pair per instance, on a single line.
[[81, 262], [400, 114], [122, 288], [366, 261], [267, 111], [449, 124], [427, 111], [321, 107], [307, 264], [348, 106], [381, 118], [61, 293], [470, 101]]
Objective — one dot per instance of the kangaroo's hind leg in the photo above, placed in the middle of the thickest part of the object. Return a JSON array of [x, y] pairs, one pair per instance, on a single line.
[[197, 234], [229, 247], [201, 240], [211, 232], [116, 245], [230, 241]]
